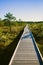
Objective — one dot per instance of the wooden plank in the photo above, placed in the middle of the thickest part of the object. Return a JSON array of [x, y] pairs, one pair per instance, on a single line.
[[25, 54]]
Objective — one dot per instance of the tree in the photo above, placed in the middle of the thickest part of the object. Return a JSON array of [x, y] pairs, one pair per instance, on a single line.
[[14, 18], [1, 22], [9, 17], [0, 19], [19, 20]]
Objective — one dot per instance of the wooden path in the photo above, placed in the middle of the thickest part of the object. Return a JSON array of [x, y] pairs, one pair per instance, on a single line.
[[25, 53]]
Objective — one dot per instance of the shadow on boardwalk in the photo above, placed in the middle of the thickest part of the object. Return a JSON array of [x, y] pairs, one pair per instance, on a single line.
[[38, 55]]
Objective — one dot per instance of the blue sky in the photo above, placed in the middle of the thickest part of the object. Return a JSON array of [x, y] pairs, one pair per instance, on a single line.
[[28, 10]]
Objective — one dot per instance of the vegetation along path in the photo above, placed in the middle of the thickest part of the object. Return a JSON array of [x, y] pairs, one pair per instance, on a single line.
[[26, 52]]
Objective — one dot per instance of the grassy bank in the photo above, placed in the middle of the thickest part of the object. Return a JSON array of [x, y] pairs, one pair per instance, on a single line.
[[9, 40], [37, 30], [6, 54]]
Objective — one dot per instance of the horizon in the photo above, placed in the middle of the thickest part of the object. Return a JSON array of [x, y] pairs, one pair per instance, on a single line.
[[26, 10]]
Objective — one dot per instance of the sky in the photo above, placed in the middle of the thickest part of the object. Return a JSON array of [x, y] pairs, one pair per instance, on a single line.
[[26, 10]]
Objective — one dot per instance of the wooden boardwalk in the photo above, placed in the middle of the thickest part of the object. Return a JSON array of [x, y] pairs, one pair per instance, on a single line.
[[25, 53]]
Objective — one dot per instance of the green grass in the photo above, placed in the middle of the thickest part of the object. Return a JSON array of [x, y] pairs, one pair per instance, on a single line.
[[6, 37], [9, 40], [37, 30], [6, 53]]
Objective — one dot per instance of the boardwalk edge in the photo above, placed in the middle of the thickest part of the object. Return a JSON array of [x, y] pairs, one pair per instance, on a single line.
[[10, 63], [38, 48]]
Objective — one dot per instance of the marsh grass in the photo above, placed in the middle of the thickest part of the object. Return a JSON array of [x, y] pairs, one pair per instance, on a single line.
[[37, 30]]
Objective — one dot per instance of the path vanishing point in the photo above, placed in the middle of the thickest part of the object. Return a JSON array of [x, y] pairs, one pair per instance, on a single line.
[[26, 52]]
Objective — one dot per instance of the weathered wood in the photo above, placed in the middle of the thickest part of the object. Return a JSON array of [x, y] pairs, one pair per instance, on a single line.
[[25, 54]]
